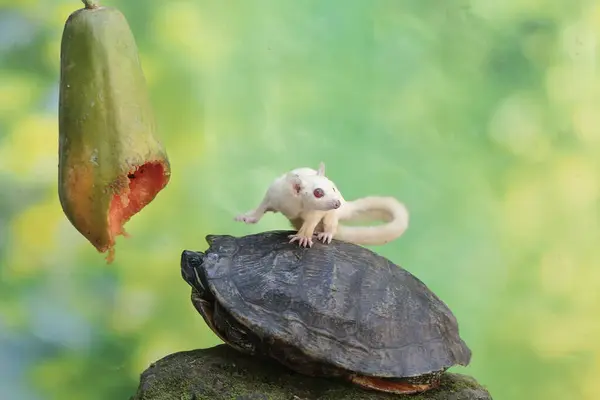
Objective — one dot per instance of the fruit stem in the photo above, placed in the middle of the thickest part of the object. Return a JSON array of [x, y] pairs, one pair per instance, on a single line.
[[90, 4]]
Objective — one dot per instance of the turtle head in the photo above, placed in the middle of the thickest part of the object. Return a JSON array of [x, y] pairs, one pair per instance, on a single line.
[[198, 268], [193, 271]]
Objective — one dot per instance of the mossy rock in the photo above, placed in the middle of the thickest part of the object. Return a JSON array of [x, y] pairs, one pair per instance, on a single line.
[[221, 373]]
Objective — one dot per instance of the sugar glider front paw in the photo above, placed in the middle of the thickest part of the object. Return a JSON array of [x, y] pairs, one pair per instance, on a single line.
[[249, 219], [325, 237], [302, 239]]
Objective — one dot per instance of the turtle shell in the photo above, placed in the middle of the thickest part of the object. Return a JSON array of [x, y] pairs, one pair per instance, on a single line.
[[338, 305]]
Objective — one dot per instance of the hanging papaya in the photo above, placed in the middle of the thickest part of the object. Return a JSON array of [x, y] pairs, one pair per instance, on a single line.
[[111, 163]]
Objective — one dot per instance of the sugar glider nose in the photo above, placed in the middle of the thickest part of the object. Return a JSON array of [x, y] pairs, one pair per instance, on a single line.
[[337, 204]]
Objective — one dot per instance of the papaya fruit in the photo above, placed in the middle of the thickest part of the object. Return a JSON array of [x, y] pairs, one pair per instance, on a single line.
[[111, 162]]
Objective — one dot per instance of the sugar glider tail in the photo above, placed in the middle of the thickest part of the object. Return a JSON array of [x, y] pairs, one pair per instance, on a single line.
[[386, 209]]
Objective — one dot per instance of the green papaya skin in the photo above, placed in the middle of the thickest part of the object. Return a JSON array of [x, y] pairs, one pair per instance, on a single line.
[[111, 164]]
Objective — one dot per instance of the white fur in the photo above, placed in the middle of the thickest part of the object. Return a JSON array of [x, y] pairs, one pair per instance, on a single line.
[[292, 194], [386, 209]]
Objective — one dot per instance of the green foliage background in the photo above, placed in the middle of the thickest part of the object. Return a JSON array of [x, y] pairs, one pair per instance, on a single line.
[[481, 116]]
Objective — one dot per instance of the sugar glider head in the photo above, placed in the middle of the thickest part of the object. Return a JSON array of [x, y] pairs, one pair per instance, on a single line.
[[316, 191]]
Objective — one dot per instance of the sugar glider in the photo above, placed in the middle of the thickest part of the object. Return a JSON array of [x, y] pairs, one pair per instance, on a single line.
[[312, 203]]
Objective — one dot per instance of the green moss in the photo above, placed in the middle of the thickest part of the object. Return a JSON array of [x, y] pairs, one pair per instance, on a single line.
[[221, 373]]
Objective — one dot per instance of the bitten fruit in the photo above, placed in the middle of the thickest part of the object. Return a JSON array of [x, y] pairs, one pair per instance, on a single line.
[[111, 163]]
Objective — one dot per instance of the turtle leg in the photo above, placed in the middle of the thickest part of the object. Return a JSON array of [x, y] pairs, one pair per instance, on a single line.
[[389, 385], [233, 333], [205, 309], [224, 326]]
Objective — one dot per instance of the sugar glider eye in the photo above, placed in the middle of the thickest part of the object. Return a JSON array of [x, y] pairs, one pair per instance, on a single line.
[[318, 193]]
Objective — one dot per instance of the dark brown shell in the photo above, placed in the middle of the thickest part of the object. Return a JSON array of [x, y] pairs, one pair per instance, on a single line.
[[336, 305]]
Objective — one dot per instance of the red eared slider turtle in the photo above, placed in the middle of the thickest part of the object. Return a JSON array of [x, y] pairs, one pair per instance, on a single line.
[[333, 310]]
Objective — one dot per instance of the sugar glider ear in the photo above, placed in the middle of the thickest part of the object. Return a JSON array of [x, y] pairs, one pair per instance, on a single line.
[[321, 171], [295, 182]]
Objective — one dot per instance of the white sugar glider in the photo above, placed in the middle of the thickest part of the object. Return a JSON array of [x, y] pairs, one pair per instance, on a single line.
[[312, 203]]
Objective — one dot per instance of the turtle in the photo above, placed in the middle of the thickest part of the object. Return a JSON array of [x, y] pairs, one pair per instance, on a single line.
[[335, 310]]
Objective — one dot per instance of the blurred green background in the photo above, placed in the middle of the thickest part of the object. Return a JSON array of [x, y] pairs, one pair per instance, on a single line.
[[481, 116]]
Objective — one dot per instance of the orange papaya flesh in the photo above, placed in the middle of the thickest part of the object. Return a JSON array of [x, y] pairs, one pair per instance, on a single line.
[[144, 183], [111, 163]]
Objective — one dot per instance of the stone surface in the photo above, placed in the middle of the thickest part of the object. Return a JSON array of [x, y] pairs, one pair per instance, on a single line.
[[220, 373]]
